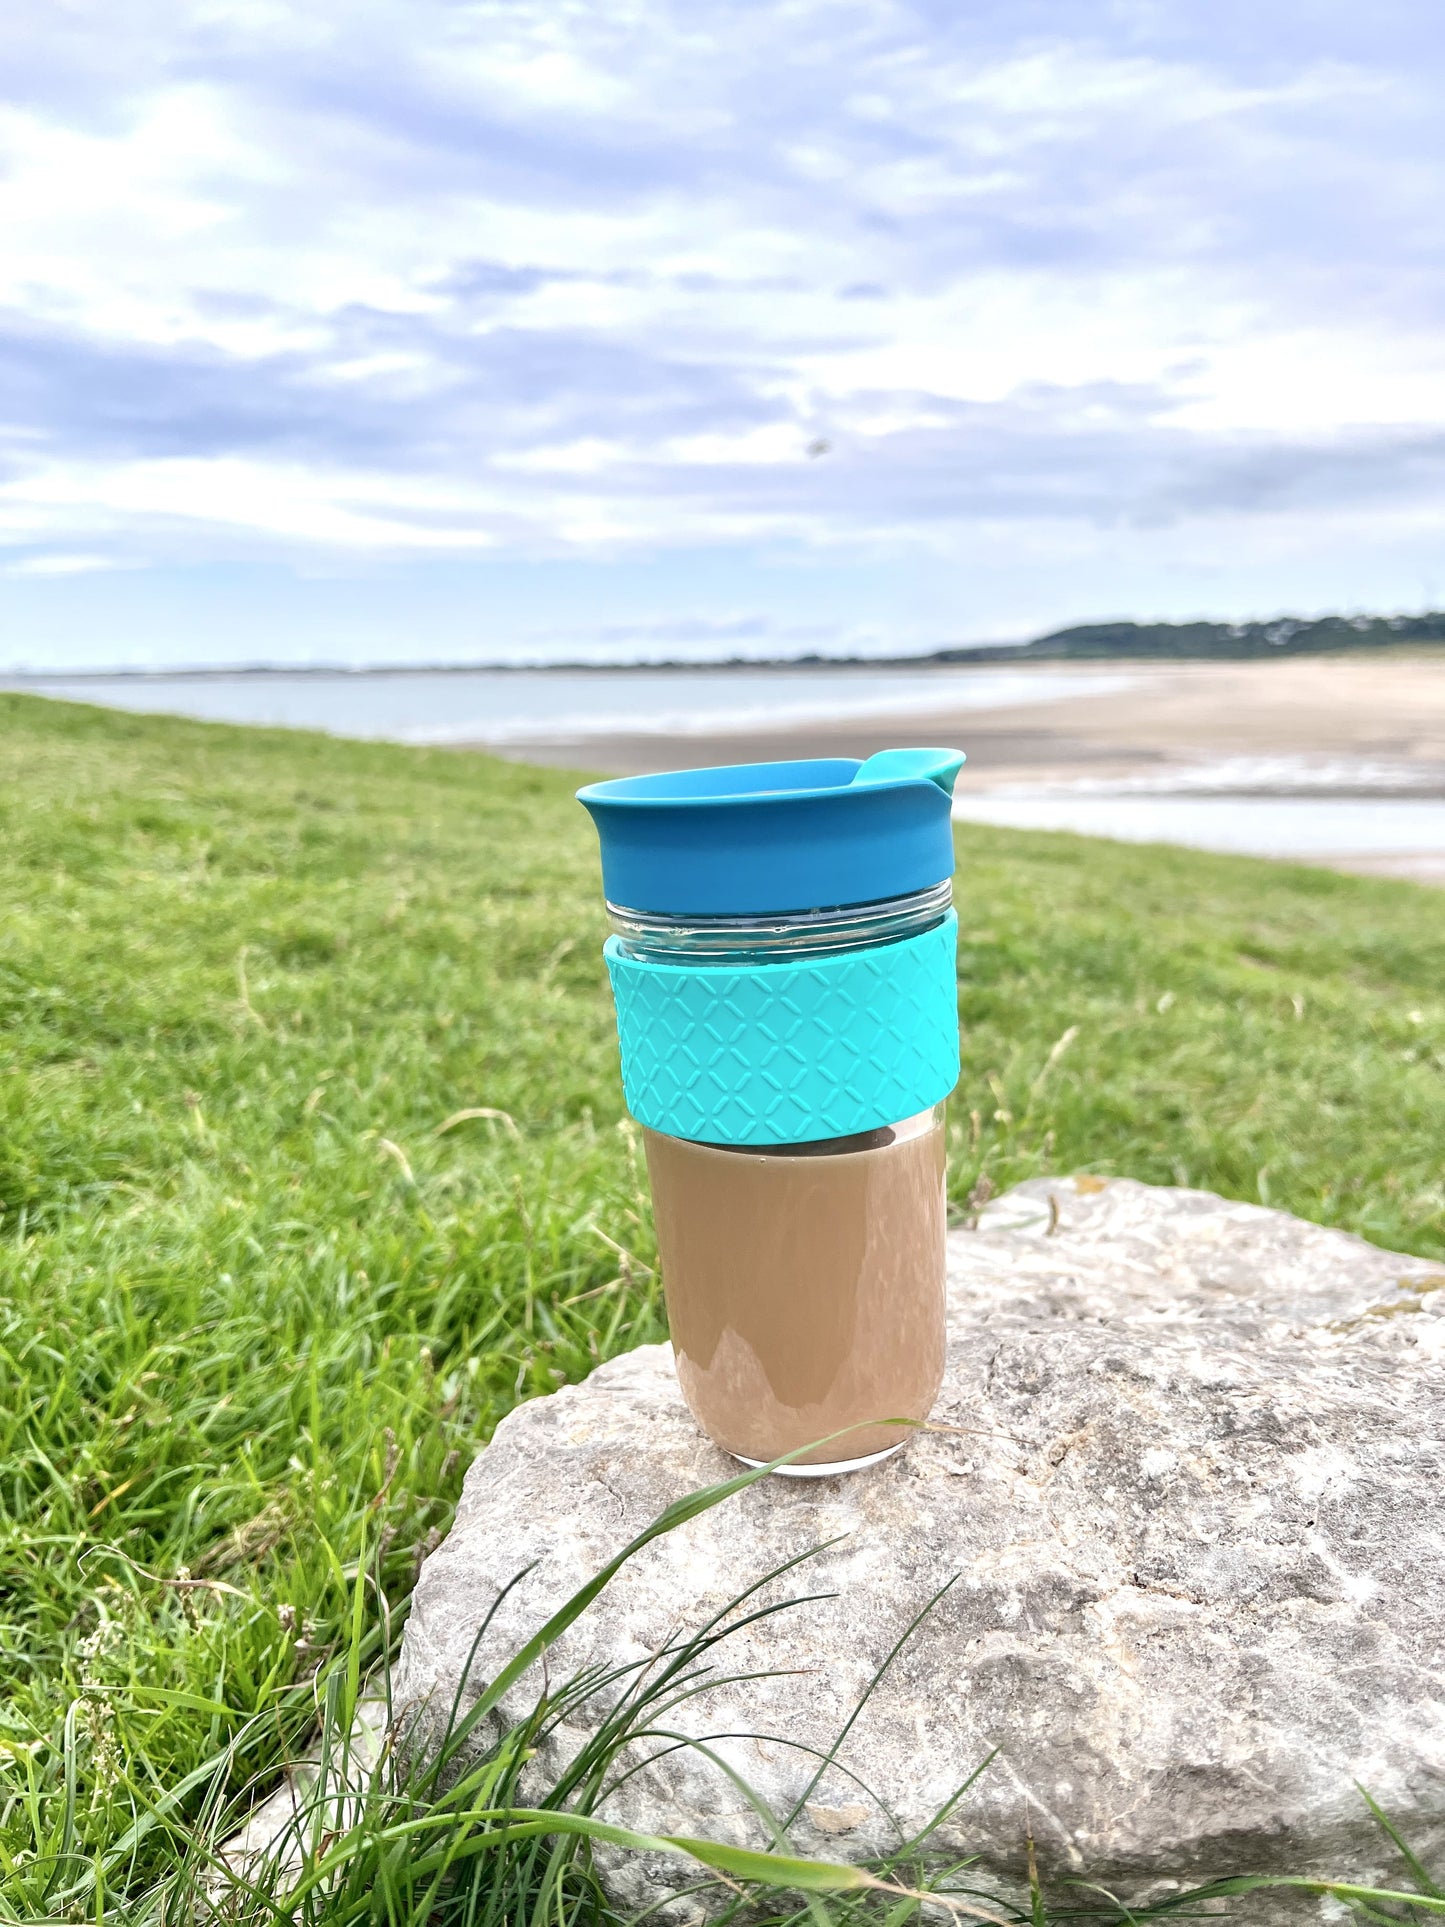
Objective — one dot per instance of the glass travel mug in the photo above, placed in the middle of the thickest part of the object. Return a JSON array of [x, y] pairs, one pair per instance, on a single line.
[[787, 1043]]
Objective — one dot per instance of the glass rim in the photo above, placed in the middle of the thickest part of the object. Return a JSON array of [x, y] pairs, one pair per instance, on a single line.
[[834, 926]]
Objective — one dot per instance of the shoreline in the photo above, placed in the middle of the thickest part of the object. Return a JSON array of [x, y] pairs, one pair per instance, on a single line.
[[1159, 716], [1336, 760], [1269, 731]]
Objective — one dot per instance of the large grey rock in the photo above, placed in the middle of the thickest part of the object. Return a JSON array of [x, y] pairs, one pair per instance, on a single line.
[[1197, 1525]]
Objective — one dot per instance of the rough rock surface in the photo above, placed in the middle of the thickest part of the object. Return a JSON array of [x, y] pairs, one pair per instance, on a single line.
[[1198, 1526]]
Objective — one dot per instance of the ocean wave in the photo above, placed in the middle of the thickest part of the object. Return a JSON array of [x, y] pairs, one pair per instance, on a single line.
[[771, 709]]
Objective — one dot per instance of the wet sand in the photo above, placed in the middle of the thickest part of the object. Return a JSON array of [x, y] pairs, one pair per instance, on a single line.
[[1177, 712], [1171, 717]]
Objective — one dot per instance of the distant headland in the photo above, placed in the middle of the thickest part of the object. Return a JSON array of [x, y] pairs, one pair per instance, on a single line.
[[1210, 641]]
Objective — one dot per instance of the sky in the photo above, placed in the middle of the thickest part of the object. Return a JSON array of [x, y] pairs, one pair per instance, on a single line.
[[419, 329]]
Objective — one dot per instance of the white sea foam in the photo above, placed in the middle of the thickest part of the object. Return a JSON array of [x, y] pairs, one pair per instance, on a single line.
[[1273, 775], [1274, 826], [1336, 807]]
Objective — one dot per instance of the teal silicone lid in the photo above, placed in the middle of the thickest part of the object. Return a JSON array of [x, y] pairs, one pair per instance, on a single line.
[[749, 838]]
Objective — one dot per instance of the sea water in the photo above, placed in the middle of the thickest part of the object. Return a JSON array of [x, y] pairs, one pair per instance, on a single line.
[[520, 706]]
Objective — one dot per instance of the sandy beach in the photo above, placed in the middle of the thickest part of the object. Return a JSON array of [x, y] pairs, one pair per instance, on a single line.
[[1321, 706], [1367, 728]]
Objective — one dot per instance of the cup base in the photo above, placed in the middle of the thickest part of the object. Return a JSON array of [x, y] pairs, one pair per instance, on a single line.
[[832, 1470]]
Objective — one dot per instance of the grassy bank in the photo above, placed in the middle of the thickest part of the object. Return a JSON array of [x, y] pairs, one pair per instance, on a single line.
[[313, 1162]]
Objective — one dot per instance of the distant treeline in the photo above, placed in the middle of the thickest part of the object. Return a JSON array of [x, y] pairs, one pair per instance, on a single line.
[[1213, 641], [1090, 641]]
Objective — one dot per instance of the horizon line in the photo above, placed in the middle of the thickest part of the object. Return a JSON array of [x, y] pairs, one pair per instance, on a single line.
[[943, 654], [511, 665]]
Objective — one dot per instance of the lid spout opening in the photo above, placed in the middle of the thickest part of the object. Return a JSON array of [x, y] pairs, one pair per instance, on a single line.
[[940, 766]]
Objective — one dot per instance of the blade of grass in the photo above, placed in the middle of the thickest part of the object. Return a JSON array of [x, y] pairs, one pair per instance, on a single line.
[[1418, 1871]]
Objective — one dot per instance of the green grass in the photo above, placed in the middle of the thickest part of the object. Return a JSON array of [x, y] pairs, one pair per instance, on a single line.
[[257, 1309]]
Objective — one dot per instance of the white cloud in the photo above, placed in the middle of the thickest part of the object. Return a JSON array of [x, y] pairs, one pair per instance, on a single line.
[[59, 563], [503, 277]]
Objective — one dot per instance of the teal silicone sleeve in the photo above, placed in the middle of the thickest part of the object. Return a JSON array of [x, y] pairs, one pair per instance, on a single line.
[[781, 1053]]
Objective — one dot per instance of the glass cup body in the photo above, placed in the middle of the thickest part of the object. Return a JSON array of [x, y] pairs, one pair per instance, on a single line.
[[805, 1287], [805, 1283]]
